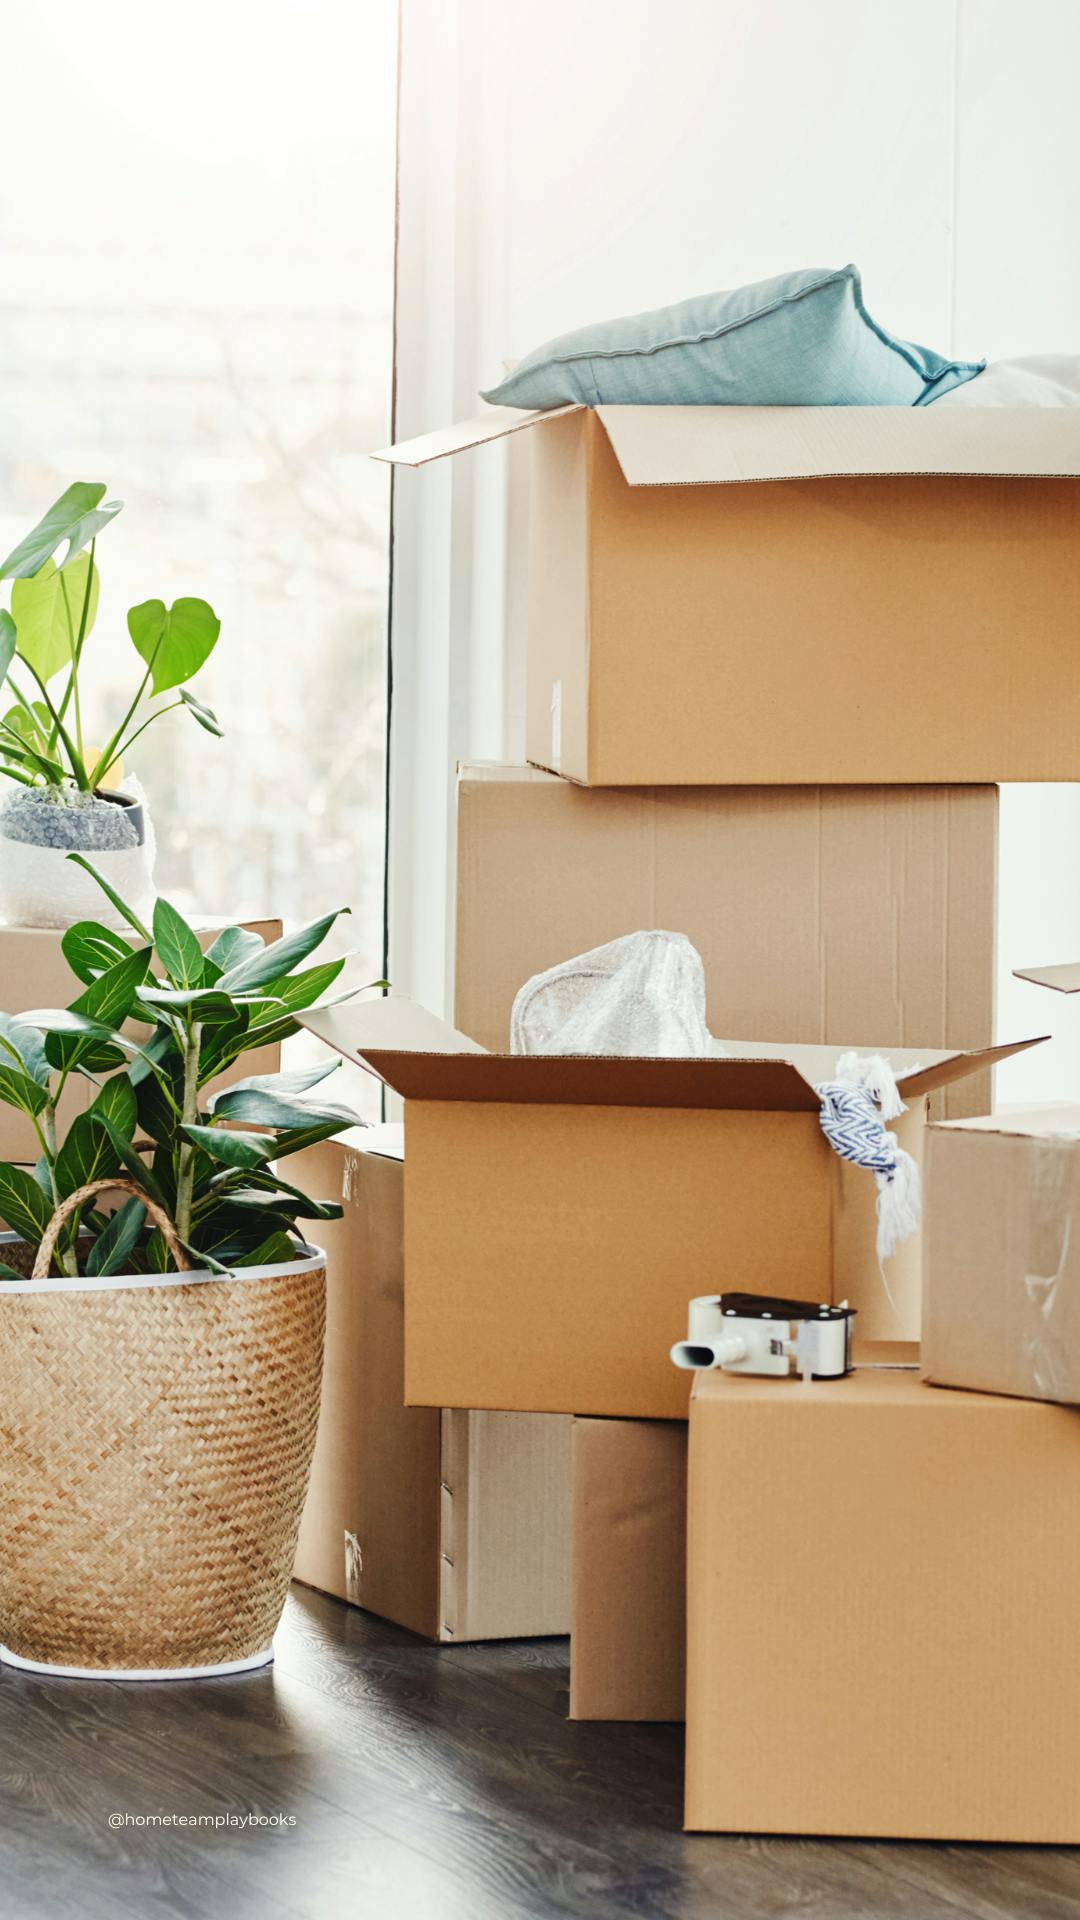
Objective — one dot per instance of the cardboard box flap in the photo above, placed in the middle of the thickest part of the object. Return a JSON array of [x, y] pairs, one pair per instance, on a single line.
[[918, 1070], [583, 1080], [717, 446], [1063, 979], [390, 1020], [943, 1069], [494, 424]]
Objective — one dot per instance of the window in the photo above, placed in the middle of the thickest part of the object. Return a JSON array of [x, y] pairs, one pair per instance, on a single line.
[[196, 229]]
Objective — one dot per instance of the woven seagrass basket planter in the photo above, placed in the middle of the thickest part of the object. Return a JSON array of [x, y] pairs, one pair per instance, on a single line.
[[156, 1435]]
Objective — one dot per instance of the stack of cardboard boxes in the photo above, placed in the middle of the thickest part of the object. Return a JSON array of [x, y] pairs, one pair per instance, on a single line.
[[769, 716]]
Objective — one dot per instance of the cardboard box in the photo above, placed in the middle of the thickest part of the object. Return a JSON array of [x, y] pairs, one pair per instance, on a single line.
[[628, 1619], [882, 1614], [628, 1625], [455, 1524], [891, 599], [818, 911], [34, 973], [1002, 1310], [562, 1211]]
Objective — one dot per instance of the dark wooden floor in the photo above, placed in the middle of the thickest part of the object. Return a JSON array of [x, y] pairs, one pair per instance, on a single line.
[[436, 1782]]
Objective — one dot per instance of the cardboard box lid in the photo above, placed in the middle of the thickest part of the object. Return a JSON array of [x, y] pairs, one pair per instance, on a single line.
[[722, 446], [1063, 979], [422, 1058]]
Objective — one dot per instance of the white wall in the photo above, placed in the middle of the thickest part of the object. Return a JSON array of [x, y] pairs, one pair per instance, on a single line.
[[591, 157]]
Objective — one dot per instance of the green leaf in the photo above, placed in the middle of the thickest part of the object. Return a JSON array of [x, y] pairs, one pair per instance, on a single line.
[[282, 1084], [91, 949], [178, 949], [113, 1247], [121, 905], [110, 999], [157, 1253], [280, 956], [22, 1204], [234, 944], [203, 715], [174, 640], [130, 1159], [64, 521], [47, 610], [91, 525], [269, 1181], [231, 1148], [17, 1089], [87, 1154], [206, 1003], [10, 1273], [259, 1108], [7, 642], [116, 1107], [275, 1250], [22, 1044]]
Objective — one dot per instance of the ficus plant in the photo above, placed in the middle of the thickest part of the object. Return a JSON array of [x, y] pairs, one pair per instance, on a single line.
[[43, 639], [156, 1021]]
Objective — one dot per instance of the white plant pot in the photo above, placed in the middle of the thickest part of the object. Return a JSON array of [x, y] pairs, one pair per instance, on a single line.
[[41, 887]]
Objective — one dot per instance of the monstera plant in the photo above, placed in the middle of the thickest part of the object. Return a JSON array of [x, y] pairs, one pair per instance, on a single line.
[[63, 785], [156, 1023]]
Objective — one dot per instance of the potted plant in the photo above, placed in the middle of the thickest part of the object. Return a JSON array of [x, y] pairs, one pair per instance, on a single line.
[[160, 1350], [62, 788]]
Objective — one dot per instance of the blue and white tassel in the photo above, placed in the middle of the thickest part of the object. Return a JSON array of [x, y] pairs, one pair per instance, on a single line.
[[854, 1109]]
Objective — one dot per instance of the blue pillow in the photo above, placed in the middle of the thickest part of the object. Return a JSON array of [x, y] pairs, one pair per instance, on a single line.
[[801, 340]]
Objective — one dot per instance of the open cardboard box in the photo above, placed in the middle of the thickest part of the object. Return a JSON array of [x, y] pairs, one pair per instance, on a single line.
[[798, 595], [857, 909], [561, 1211]]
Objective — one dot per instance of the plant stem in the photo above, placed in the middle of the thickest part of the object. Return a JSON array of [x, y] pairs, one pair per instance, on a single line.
[[109, 751], [104, 765], [185, 1178], [77, 645], [77, 768], [66, 1258]]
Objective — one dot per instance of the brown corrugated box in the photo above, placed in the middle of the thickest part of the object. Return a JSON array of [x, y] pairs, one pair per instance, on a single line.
[[628, 1624], [628, 1619], [818, 911], [455, 1524], [791, 595], [562, 1211], [882, 1612], [34, 973], [1002, 1279]]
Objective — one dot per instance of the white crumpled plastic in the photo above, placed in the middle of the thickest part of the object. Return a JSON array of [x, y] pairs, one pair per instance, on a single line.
[[643, 995], [41, 887]]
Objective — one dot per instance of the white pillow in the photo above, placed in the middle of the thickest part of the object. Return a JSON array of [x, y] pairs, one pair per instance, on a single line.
[[1038, 380]]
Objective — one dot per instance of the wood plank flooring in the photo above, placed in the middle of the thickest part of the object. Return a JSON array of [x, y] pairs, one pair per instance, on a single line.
[[424, 1781]]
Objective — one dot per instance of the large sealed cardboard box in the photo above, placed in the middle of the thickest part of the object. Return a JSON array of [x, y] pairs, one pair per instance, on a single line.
[[798, 595], [34, 973], [1002, 1301], [562, 1211], [818, 911], [453, 1523], [628, 1618], [628, 1595], [882, 1587]]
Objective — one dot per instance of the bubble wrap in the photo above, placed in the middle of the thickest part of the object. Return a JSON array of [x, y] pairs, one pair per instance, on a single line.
[[41, 887], [643, 994]]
